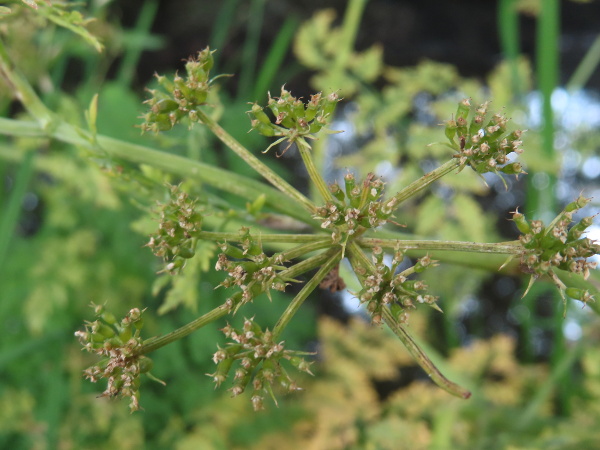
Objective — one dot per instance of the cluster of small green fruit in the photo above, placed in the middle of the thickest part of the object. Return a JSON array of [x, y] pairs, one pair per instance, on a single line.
[[359, 207], [384, 288], [259, 358], [294, 120], [119, 342], [557, 246], [180, 97], [250, 269], [179, 225], [483, 143]]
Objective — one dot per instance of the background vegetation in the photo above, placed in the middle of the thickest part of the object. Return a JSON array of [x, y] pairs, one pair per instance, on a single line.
[[73, 226]]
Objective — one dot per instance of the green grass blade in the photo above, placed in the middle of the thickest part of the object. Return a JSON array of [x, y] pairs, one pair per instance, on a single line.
[[274, 58], [10, 217], [586, 67]]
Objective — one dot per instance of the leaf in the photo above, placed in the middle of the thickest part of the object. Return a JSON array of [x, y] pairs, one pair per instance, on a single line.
[[311, 37], [367, 65]]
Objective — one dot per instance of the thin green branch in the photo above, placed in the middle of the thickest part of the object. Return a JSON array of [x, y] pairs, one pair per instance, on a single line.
[[284, 238], [507, 248], [157, 342], [104, 146], [313, 173], [255, 163], [422, 359], [417, 186], [333, 258]]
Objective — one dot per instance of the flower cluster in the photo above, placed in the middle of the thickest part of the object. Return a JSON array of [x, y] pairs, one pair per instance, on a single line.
[[386, 288], [259, 358], [180, 97], [120, 343], [360, 206], [483, 143], [294, 120], [179, 225], [250, 269], [558, 247]]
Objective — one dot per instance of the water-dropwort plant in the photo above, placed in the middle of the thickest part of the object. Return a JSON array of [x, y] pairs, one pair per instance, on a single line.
[[255, 259]]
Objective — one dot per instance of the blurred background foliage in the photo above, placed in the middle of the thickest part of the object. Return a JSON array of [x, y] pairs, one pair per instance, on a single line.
[[73, 227]]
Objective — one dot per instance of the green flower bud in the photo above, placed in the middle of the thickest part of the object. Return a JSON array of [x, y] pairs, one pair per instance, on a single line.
[[258, 112], [577, 204], [513, 169], [146, 364], [450, 130], [521, 222], [579, 294], [262, 128], [463, 109], [164, 106]]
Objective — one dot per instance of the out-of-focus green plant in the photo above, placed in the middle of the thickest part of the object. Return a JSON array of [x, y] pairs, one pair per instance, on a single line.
[[215, 209]]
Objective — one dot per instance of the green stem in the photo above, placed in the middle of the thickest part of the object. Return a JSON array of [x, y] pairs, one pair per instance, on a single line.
[[157, 342], [23, 90], [508, 27], [350, 26], [420, 184], [333, 258], [285, 238], [358, 256], [254, 162], [65, 132], [313, 173], [509, 248], [104, 146], [422, 359]]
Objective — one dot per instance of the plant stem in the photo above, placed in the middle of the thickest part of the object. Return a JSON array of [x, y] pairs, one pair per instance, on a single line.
[[357, 255], [313, 173], [509, 248], [23, 90], [157, 342], [285, 238], [333, 258], [350, 26], [104, 146], [420, 184], [422, 359], [60, 130], [255, 163]]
